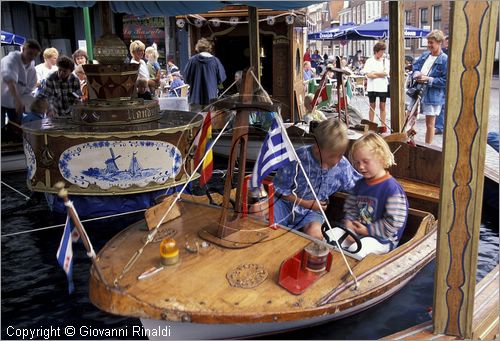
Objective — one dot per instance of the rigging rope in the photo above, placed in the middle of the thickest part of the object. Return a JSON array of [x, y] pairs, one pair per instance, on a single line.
[[153, 232], [61, 225], [15, 190]]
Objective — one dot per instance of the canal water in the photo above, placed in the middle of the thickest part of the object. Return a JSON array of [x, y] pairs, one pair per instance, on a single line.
[[34, 296]]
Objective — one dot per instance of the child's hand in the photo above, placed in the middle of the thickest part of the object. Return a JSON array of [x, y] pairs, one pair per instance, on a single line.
[[359, 228], [313, 205]]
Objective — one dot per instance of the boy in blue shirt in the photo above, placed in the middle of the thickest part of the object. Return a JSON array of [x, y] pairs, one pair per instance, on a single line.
[[328, 171]]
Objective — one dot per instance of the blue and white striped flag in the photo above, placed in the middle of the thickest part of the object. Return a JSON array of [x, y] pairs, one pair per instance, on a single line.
[[65, 251], [276, 151]]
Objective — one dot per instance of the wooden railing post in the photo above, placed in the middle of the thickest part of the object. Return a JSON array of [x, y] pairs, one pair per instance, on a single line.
[[470, 66]]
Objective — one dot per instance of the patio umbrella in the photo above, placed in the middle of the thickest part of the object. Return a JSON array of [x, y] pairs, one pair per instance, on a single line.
[[12, 39], [329, 33], [378, 29]]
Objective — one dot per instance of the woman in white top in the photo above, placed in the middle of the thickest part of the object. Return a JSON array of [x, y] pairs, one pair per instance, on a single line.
[[376, 70], [48, 66], [137, 48]]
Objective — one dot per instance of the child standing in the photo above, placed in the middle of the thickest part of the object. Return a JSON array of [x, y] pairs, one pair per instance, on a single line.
[[377, 208], [143, 89], [328, 171]]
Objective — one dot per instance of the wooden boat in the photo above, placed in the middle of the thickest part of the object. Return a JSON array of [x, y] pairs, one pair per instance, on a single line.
[[240, 276]]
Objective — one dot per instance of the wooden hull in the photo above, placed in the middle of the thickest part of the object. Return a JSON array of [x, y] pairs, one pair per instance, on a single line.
[[199, 331], [195, 298]]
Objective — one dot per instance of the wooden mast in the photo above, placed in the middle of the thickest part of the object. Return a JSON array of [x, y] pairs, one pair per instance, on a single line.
[[472, 39], [396, 51]]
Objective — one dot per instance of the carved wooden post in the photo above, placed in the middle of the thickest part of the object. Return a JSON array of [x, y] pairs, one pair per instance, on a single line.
[[472, 39], [396, 52]]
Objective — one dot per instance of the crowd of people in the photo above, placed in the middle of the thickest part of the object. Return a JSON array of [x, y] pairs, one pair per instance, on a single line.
[[427, 72]]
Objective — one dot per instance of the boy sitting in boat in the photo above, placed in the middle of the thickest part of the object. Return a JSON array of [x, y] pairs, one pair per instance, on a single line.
[[328, 170], [377, 208]]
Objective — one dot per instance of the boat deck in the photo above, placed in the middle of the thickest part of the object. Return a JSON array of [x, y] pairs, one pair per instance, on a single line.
[[197, 287]]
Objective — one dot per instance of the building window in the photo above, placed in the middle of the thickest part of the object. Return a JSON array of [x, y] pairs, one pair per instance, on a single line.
[[407, 17], [424, 23], [436, 17]]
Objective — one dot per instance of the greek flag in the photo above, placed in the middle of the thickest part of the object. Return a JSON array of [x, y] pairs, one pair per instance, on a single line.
[[276, 151], [65, 251]]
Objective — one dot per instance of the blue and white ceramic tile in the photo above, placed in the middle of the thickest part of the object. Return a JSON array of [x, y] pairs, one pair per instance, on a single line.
[[30, 159], [120, 163]]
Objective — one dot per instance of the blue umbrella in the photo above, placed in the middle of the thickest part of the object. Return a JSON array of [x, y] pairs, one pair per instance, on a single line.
[[378, 29], [12, 39], [329, 33]]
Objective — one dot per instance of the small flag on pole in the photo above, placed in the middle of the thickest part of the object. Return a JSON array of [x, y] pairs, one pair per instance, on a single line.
[[65, 252], [320, 91], [276, 151], [203, 146]]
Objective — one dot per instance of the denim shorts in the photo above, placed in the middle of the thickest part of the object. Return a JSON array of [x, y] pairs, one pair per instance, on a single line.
[[283, 215]]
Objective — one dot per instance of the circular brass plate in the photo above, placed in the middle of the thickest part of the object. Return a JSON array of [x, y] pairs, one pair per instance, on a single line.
[[247, 276]]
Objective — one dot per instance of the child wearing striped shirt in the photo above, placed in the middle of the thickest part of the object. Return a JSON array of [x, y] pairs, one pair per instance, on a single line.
[[377, 208]]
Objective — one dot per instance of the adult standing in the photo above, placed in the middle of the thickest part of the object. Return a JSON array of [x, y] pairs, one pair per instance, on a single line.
[[80, 57], [137, 49], [440, 119], [356, 61], [62, 88], [48, 66], [307, 55], [18, 81], [203, 72], [431, 69], [376, 70], [316, 60]]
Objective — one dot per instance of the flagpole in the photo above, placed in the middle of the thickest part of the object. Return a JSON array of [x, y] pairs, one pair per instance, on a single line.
[[63, 193], [285, 135]]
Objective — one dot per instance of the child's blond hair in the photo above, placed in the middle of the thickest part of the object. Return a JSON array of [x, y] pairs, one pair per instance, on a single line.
[[307, 102], [331, 134], [150, 50], [39, 106], [376, 145], [50, 52]]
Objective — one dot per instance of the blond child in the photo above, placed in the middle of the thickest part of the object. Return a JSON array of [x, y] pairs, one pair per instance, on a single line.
[[38, 110], [312, 114], [377, 208], [328, 171]]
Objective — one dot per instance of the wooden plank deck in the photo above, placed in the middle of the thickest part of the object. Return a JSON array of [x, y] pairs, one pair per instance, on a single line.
[[486, 319]]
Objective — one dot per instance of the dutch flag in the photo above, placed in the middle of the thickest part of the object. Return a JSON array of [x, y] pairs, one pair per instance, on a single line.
[[65, 251], [276, 151]]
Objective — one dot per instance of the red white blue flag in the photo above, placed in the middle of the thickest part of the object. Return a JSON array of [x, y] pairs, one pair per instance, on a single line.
[[65, 251]]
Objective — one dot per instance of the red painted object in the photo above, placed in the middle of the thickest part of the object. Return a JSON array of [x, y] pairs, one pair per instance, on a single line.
[[270, 199], [295, 277]]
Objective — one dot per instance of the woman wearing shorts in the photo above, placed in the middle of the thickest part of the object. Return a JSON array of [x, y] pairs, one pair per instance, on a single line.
[[376, 70], [431, 69]]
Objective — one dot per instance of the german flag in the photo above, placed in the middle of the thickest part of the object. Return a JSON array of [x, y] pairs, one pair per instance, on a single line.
[[203, 145]]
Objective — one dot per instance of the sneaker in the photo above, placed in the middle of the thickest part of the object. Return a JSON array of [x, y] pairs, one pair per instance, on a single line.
[[438, 131]]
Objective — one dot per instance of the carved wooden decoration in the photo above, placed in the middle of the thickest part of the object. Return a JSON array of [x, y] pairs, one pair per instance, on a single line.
[[470, 64]]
